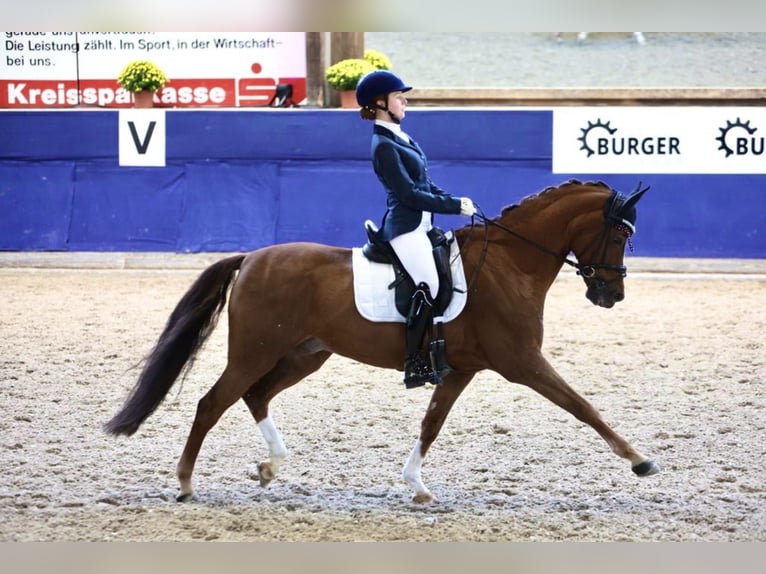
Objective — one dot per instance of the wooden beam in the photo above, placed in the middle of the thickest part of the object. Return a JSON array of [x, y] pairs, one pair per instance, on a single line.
[[343, 45], [315, 57], [552, 97]]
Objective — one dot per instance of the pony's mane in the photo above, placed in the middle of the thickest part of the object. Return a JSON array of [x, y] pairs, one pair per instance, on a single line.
[[551, 193]]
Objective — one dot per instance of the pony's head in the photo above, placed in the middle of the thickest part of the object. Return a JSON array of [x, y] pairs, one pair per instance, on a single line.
[[601, 260]]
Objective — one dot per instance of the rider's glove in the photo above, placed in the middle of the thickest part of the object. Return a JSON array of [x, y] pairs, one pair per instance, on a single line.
[[467, 207]]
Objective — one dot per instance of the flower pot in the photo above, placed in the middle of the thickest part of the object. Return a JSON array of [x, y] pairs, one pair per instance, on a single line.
[[348, 99], [143, 99]]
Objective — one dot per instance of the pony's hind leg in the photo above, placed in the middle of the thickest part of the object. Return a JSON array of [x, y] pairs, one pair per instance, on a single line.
[[267, 469], [230, 386], [291, 369]]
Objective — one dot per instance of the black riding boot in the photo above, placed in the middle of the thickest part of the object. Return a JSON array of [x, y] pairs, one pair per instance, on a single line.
[[437, 351], [417, 372]]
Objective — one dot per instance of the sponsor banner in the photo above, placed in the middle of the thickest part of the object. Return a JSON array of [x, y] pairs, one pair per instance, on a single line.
[[226, 69], [726, 140]]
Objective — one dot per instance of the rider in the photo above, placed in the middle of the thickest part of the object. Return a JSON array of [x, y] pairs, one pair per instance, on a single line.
[[412, 199]]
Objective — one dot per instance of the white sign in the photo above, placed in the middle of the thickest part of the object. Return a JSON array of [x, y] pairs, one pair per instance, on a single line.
[[222, 69], [725, 140], [141, 136]]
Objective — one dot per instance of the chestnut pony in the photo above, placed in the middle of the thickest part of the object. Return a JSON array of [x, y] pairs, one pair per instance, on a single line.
[[291, 307]]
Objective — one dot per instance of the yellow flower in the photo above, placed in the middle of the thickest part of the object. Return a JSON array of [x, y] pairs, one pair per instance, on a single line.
[[378, 59], [142, 75], [345, 75]]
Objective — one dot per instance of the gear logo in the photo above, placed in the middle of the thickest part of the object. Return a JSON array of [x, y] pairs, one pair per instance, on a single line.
[[736, 139], [599, 139], [598, 125]]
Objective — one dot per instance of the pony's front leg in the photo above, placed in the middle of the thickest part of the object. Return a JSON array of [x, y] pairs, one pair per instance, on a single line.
[[541, 376], [442, 399], [412, 475], [267, 469]]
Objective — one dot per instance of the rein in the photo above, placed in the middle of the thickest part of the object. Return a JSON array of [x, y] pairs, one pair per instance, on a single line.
[[585, 270]]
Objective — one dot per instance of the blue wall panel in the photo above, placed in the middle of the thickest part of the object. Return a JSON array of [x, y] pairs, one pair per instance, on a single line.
[[716, 216], [35, 205], [475, 135], [704, 216], [237, 180], [126, 209], [327, 202], [58, 135], [281, 135], [228, 207]]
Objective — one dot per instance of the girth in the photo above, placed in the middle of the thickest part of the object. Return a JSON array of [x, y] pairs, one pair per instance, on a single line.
[[379, 251]]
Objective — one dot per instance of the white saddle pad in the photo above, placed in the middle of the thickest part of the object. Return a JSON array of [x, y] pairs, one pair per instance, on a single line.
[[375, 301]]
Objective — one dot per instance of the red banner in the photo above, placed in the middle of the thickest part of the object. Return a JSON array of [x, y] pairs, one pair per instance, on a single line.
[[178, 93], [205, 69]]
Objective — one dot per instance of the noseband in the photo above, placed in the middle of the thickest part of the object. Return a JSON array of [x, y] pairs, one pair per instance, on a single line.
[[589, 271]]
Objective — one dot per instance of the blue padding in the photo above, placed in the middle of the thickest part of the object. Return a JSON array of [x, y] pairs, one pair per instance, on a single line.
[[711, 216], [482, 135], [327, 202], [702, 216], [229, 207], [242, 179], [493, 185], [58, 135], [342, 135], [126, 209], [35, 205], [264, 135]]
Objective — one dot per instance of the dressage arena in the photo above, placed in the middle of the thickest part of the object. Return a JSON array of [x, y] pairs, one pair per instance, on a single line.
[[677, 368]]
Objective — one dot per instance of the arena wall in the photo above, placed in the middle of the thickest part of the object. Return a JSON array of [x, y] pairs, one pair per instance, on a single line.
[[235, 180]]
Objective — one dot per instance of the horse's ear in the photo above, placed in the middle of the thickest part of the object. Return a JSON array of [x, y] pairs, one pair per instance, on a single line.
[[635, 196]]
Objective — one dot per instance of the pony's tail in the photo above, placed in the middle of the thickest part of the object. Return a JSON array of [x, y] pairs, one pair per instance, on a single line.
[[189, 326]]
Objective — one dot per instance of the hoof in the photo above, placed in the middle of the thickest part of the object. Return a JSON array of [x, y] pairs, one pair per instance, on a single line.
[[184, 497], [265, 474], [646, 468], [423, 498]]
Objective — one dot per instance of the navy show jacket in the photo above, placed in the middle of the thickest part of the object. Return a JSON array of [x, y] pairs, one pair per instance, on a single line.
[[402, 169]]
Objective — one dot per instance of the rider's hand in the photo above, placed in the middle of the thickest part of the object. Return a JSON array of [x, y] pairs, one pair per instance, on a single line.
[[467, 207]]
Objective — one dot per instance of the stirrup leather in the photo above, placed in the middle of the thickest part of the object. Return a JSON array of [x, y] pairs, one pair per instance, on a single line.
[[437, 351]]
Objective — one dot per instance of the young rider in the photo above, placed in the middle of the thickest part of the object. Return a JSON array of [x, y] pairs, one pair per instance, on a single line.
[[412, 199]]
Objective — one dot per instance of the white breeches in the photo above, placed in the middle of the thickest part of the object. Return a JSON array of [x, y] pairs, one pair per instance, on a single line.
[[414, 251]]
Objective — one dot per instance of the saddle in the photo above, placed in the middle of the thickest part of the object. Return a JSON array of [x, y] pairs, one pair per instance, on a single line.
[[379, 251]]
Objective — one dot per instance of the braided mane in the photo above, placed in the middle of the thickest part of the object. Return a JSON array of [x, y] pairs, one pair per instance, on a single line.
[[551, 193]]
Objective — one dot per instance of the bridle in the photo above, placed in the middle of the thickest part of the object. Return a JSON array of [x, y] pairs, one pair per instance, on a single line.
[[612, 218], [587, 270]]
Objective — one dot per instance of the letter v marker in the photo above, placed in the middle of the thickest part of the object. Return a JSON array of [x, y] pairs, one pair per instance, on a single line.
[[141, 137], [141, 146]]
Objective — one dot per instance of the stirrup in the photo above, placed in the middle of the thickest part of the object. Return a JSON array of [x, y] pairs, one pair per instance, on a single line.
[[417, 372]]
